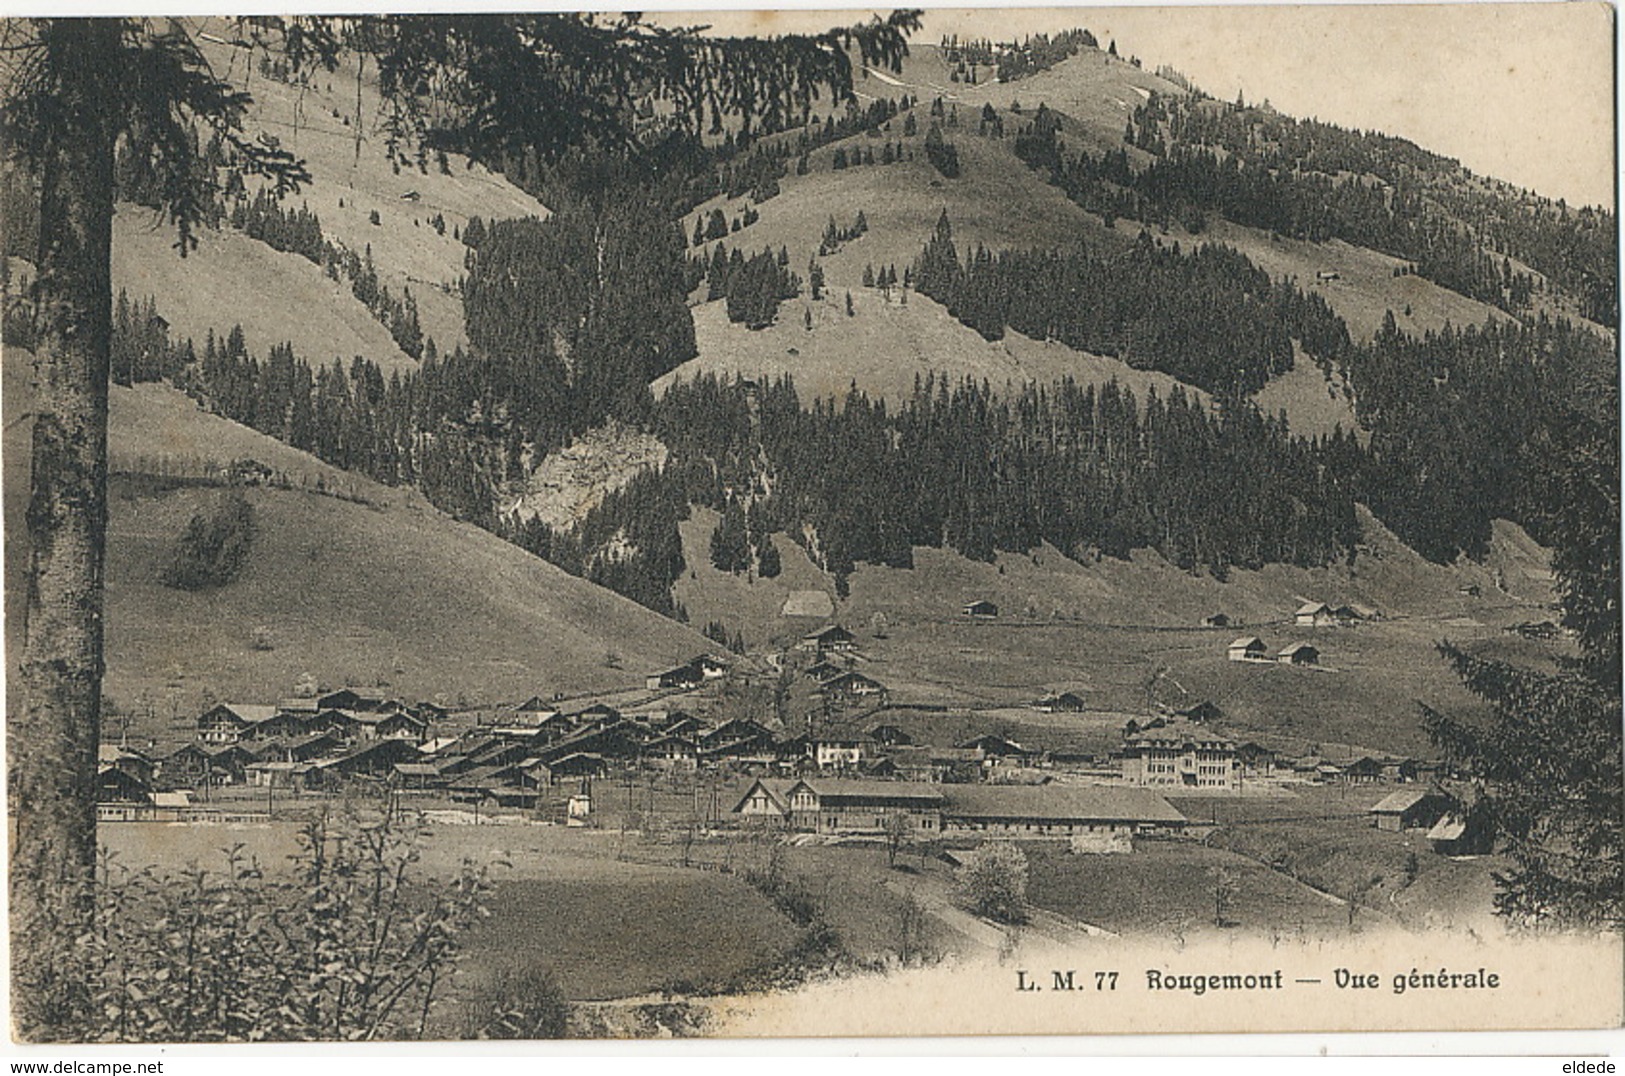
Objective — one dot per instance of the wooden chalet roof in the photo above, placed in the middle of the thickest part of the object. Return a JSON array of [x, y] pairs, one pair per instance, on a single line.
[[848, 792], [1312, 608], [1058, 803], [1401, 801]]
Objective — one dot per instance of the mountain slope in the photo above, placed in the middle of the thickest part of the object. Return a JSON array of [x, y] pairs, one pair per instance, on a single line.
[[356, 584]]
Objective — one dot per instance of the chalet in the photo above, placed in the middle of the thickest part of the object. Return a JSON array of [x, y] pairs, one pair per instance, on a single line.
[[621, 740], [675, 751], [1314, 615], [299, 749], [838, 805], [131, 761], [534, 711], [1067, 702], [767, 798], [936, 763], [117, 785], [825, 671], [837, 750], [390, 725], [1365, 770], [1181, 755], [853, 685], [710, 668], [981, 610], [1094, 818], [354, 701], [228, 722], [1203, 711], [738, 738], [298, 704], [1216, 620], [1299, 654], [1414, 808], [576, 766], [682, 678], [890, 736], [1459, 835], [1256, 760], [285, 775], [995, 749], [1247, 648], [1352, 614], [376, 759], [833, 639]]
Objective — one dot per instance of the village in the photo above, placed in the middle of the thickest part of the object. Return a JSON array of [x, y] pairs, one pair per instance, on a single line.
[[852, 764]]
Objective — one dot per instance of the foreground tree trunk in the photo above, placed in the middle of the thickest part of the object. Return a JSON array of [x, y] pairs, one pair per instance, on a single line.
[[53, 723]]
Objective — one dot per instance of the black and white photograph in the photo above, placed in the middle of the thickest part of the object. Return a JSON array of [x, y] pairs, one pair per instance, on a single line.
[[760, 524]]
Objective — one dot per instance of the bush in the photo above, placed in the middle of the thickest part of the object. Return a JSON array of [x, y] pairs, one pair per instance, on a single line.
[[993, 883], [347, 946], [214, 547], [525, 1003]]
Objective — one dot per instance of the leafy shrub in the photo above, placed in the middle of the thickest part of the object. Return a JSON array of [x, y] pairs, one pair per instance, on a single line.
[[347, 945], [214, 547], [993, 882]]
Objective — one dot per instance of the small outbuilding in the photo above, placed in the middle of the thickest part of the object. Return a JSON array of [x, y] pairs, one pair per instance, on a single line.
[[1247, 648], [1314, 615], [1412, 808], [981, 610], [1299, 654]]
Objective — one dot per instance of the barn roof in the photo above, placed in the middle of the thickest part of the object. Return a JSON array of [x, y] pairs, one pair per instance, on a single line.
[[845, 788], [1070, 803], [1401, 801], [1247, 642], [1311, 608], [1448, 828]]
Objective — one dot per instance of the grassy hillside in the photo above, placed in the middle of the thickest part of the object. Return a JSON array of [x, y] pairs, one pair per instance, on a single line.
[[333, 124], [376, 590], [1107, 629], [998, 202], [234, 280]]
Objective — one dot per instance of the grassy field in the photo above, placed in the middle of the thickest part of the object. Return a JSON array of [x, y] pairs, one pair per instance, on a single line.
[[1324, 837], [1167, 888]]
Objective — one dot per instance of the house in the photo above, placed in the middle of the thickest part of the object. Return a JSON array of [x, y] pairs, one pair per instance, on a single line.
[[981, 610], [936, 763], [1066, 702], [1181, 755], [1314, 615], [1201, 712], [825, 671], [836, 750], [682, 678], [576, 766], [1299, 654], [853, 685], [1256, 760], [391, 725], [117, 785], [767, 798], [1363, 771], [534, 711], [1413, 808], [675, 751], [375, 759], [833, 639], [131, 761], [710, 668], [1216, 620], [995, 749], [737, 738], [1093, 818], [227, 722], [1349, 615], [1247, 648], [1459, 835], [835, 805]]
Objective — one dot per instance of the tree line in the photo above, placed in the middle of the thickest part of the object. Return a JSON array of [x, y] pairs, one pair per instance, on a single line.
[[1208, 317]]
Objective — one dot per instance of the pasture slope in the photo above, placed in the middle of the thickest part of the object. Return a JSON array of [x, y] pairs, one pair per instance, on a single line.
[[348, 581], [998, 202]]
